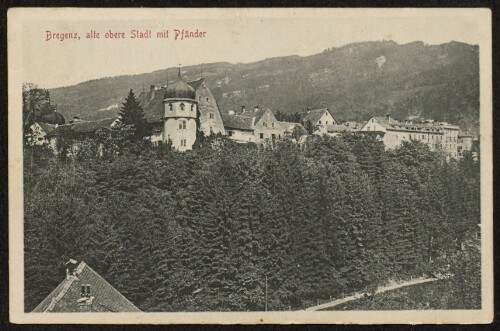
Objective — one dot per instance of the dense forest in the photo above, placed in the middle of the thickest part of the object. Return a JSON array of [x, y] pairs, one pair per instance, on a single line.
[[356, 81], [203, 230]]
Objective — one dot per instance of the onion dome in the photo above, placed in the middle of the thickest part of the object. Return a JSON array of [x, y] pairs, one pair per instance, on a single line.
[[53, 118], [180, 90]]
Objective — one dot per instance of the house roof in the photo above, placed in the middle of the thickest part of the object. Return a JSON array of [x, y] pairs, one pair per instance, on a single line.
[[239, 122], [46, 127], [338, 128], [81, 127], [244, 121], [313, 115], [106, 298], [152, 104], [196, 84], [389, 123]]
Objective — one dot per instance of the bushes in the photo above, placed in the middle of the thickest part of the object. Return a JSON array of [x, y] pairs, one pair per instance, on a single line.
[[201, 230]]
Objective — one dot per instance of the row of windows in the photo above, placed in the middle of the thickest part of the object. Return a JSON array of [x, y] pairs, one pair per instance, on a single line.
[[182, 106], [265, 124]]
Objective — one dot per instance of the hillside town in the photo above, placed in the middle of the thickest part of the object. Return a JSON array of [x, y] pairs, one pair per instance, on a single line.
[[177, 111]]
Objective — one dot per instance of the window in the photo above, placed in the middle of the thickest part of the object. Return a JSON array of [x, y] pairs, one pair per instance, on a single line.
[[211, 115], [319, 122], [182, 106], [199, 98], [230, 133], [326, 122], [373, 120], [423, 136], [272, 124], [192, 107], [264, 124], [183, 142], [182, 125], [207, 99], [410, 135], [170, 107], [273, 136], [261, 136]]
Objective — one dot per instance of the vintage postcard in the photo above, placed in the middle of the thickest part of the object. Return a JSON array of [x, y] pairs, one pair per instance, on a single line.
[[250, 166]]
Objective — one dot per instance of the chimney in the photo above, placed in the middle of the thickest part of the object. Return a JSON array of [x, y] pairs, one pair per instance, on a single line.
[[308, 110], [151, 87], [242, 109], [256, 108], [71, 268]]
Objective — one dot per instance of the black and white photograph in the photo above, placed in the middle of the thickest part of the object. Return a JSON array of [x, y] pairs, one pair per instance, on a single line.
[[292, 165]]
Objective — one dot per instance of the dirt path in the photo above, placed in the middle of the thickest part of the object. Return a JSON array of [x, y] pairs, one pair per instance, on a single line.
[[380, 290]]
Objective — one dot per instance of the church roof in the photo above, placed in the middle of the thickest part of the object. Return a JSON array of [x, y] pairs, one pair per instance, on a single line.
[[180, 89], [65, 296]]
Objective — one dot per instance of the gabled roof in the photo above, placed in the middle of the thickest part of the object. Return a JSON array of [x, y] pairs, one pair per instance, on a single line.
[[239, 122], [313, 115], [196, 83], [64, 297], [82, 127], [152, 104]]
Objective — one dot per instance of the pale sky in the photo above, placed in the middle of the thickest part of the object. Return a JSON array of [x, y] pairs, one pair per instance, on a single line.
[[232, 35]]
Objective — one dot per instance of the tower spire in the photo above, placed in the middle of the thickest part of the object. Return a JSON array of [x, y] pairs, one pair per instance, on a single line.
[[179, 74]]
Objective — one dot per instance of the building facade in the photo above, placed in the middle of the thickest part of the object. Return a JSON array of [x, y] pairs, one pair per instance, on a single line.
[[437, 135], [257, 126]]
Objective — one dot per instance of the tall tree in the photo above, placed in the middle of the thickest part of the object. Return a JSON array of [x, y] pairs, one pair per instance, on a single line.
[[131, 113]]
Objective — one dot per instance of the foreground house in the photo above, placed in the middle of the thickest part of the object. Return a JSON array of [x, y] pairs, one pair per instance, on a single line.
[[84, 290]]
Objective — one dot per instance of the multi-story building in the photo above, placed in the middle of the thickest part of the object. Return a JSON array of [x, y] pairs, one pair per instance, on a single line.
[[257, 126], [437, 135]]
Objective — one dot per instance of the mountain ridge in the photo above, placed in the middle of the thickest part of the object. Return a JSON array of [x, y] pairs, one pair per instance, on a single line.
[[356, 81]]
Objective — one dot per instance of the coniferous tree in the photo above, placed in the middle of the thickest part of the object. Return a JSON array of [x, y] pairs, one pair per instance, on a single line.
[[131, 113]]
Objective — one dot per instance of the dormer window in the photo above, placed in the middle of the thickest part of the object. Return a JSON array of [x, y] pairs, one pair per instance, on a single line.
[[170, 107], [182, 106]]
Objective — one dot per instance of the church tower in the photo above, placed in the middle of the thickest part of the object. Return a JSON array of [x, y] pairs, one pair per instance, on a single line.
[[180, 115]]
